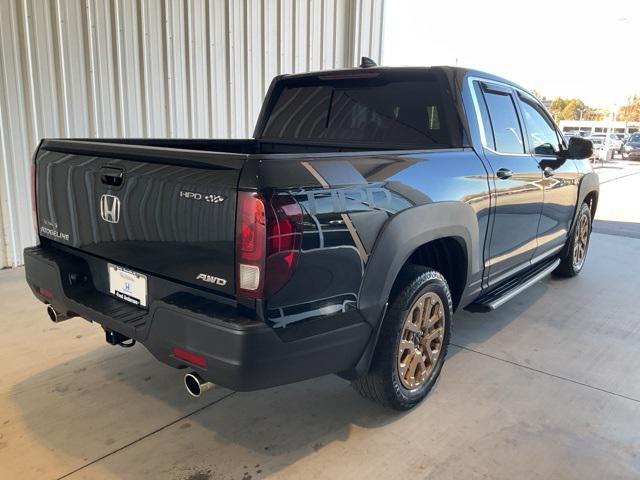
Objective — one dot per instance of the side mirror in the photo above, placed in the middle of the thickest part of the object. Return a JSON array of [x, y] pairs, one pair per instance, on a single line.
[[545, 149], [580, 148]]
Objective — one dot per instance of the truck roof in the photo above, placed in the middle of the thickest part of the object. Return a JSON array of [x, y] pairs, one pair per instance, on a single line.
[[454, 73]]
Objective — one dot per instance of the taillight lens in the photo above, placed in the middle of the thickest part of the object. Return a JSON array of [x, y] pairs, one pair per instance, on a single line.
[[33, 196], [251, 234], [284, 239], [268, 239]]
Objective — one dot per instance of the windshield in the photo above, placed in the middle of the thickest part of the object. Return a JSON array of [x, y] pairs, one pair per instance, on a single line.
[[634, 138], [390, 110]]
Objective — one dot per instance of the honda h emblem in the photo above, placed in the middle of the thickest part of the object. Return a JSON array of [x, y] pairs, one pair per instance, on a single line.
[[110, 208]]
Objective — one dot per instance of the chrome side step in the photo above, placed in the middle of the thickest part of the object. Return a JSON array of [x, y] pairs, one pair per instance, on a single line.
[[502, 294]]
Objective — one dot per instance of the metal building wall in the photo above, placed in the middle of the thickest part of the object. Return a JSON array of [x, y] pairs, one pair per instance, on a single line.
[[152, 68]]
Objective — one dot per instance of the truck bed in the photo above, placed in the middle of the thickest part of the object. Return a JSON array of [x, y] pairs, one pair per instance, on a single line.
[[216, 149], [176, 200]]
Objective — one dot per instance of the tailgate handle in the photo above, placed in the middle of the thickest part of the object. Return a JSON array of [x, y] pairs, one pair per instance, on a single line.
[[112, 176]]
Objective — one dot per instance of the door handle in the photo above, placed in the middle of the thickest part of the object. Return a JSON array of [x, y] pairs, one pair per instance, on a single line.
[[112, 176], [548, 172], [504, 173]]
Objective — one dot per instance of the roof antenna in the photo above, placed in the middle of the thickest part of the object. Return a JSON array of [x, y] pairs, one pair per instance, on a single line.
[[366, 62]]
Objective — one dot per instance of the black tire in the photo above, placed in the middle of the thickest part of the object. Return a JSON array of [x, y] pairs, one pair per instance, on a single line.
[[382, 384], [569, 267]]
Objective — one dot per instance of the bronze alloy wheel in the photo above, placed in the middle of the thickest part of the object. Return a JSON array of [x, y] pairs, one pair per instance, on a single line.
[[581, 242], [421, 340], [413, 340]]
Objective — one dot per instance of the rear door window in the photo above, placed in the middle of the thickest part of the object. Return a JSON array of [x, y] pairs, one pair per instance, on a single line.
[[507, 133]]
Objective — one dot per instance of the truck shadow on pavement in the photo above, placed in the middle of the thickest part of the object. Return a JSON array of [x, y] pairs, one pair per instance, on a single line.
[[471, 329], [96, 404], [106, 405], [610, 227]]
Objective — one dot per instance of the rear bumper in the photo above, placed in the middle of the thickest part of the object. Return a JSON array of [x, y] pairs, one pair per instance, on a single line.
[[240, 354]]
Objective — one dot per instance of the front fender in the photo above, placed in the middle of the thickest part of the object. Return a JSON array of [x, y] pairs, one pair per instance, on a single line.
[[590, 182]]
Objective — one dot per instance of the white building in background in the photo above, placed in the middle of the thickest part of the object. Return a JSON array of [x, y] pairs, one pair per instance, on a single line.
[[146, 68], [599, 126]]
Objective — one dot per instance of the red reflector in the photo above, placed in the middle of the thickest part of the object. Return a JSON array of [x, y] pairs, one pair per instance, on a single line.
[[190, 357], [46, 293]]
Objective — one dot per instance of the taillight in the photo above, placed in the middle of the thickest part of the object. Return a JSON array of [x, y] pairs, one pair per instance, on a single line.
[[284, 239], [268, 239], [33, 196], [251, 234]]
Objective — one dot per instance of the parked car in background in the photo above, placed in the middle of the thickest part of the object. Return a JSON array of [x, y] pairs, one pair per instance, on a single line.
[[597, 145], [575, 133], [617, 140], [611, 140], [631, 149], [602, 152]]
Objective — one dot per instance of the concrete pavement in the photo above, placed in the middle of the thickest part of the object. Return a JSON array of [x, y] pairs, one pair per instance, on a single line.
[[619, 212], [546, 387]]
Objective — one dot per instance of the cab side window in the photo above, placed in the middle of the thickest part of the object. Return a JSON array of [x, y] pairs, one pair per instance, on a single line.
[[543, 138], [507, 133]]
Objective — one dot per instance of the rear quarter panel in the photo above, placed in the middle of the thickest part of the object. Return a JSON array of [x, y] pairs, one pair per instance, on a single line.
[[348, 201]]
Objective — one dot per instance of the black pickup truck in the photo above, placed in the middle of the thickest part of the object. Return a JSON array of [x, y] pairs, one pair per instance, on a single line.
[[369, 206]]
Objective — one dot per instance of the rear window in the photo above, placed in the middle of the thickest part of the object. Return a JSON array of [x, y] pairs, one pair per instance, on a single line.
[[387, 110]]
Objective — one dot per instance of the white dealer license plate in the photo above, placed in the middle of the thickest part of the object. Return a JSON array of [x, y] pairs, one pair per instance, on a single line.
[[127, 285]]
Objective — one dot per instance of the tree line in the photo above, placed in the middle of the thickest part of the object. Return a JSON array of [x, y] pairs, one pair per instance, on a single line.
[[631, 111], [575, 109]]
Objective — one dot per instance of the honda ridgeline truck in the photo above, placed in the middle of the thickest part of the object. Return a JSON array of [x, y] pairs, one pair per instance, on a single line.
[[369, 206]]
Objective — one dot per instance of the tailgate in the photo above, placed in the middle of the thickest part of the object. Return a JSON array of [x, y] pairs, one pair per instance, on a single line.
[[166, 218]]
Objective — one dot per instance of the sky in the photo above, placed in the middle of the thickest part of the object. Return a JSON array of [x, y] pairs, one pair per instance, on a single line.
[[588, 50]]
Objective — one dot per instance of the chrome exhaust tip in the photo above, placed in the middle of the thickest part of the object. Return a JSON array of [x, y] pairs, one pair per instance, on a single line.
[[195, 384], [56, 316]]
